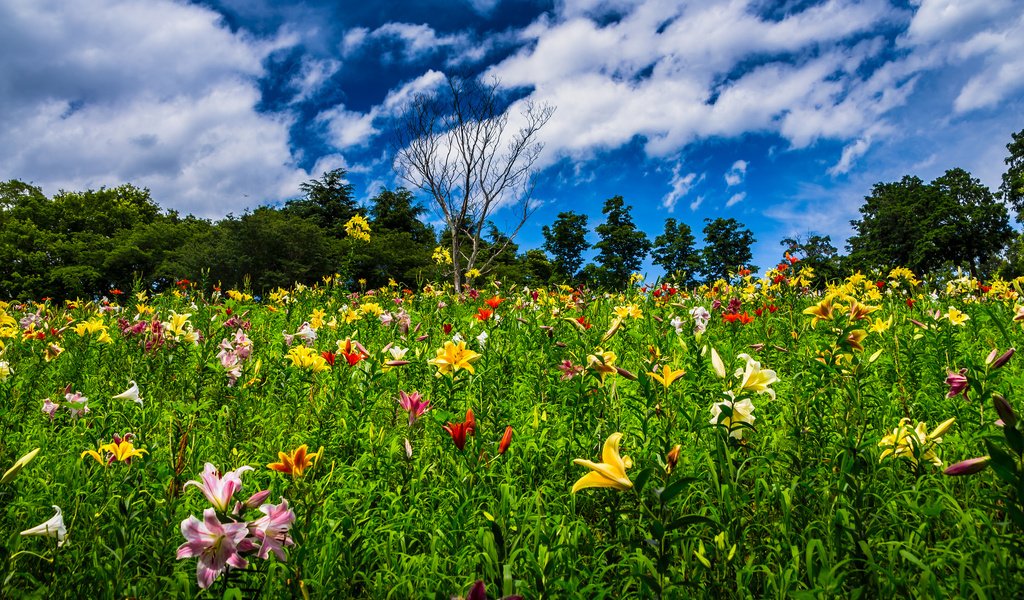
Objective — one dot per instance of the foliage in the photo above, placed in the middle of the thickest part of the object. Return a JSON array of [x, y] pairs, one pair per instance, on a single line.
[[1012, 187], [622, 246], [674, 252], [566, 240], [726, 249], [817, 252]]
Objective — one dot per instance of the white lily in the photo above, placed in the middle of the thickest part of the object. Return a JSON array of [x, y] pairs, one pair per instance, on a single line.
[[52, 528], [132, 393]]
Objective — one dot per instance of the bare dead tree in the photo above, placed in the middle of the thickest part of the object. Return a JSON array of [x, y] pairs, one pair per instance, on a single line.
[[456, 146]]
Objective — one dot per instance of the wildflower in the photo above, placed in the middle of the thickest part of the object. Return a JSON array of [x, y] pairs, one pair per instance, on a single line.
[[667, 375], [352, 351], [50, 407], [5, 370], [482, 339], [442, 256], [79, 401], [295, 463], [957, 383], [217, 488], [121, 450], [756, 379], [506, 440], [629, 310], [52, 351], [996, 362], [132, 393], [860, 311], [879, 326], [739, 412], [569, 370], [672, 458], [216, 544], [358, 228], [676, 324], [854, 339], [1004, 410], [611, 472], [307, 358], [956, 317], [473, 273], [494, 302], [51, 528], [459, 431], [603, 362], [483, 314], [413, 404], [305, 333], [914, 443], [451, 358], [18, 465], [272, 529], [820, 311]]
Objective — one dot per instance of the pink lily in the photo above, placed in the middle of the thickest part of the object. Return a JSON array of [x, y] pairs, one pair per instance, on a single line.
[[218, 545], [413, 404], [219, 489], [272, 529], [957, 383]]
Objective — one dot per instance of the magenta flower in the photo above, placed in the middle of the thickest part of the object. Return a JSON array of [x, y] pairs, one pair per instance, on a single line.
[[957, 383], [218, 545], [219, 489], [77, 403], [272, 529], [50, 407], [413, 404], [569, 370], [968, 467]]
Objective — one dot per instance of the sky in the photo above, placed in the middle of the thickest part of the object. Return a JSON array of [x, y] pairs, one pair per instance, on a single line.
[[781, 114]]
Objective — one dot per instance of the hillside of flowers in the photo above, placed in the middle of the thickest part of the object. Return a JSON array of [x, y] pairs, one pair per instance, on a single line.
[[748, 439]]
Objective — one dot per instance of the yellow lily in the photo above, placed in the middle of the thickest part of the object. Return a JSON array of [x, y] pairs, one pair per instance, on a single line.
[[122, 451], [756, 379], [611, 473], [667, 375], [452, 358], [603, 362], [820, 311]]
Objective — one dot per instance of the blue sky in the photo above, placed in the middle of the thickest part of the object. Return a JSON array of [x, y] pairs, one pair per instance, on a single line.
[[781, 114]]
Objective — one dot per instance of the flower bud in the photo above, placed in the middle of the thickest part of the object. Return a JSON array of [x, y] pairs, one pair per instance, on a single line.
[[1003, 359], [968, 467], [1004, 410], [672, 458], [506, 440]]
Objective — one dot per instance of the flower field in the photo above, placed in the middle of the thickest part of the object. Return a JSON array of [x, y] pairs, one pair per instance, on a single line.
[[749, 439]]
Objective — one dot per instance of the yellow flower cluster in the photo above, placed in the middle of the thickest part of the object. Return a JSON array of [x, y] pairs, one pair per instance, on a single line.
[[914, 443], [307, 358], [358, 228], [94, 326], [442, 256]]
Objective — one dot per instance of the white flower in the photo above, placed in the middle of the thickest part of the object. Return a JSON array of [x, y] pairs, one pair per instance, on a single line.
[[677, 324], [53, 528], [741, 413], [699, 313], [132, 393], [457, 338], [397, 352], [5, 370], [482, 339]]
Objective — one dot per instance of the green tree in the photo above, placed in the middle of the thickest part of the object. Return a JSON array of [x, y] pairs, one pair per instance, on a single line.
[[400, 244], [538, 269], [328, 202], [566, 240], [955, 221], [674, 252], [1012, 188], [816, 251], [727, 244], [622, 247]]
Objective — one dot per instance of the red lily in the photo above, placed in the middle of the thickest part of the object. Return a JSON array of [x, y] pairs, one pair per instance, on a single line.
[[494, 301], [483, 314], [506, 440]]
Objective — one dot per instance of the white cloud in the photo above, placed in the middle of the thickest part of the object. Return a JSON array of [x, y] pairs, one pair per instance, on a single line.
[[735, 199], [736, 173], [348, 128], [851, 153], [681, 185], [419, 41], [312, 75], [90, 100], [696, 203]]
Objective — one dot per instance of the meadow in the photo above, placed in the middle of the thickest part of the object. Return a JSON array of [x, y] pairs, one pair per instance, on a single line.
[[747, 439]]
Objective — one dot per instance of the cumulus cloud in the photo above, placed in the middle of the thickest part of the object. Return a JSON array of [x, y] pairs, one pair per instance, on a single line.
[[96, 101], [312, 75], [736, 173], [419, 41]]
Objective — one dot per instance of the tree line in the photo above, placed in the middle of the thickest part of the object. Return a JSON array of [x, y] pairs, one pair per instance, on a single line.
[[82, 244]]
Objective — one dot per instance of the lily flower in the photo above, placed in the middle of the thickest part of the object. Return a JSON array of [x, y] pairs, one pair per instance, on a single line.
[[413, 404], [459, 431], [820, 311], [121, 450], [296, 463], [272, 529], [50, 407], [18, 465], [452, 358], [854, 339], [52, 528], [717, 364], [957, 383], [132, 393], [217, 488], [667, 376], [610, 473], [756, 379], [217, 545], [603, 362], [739, 412], [914, 443]]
